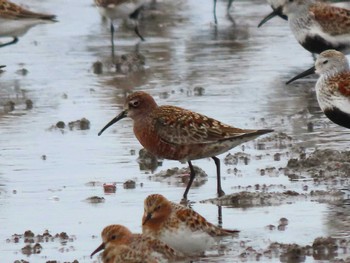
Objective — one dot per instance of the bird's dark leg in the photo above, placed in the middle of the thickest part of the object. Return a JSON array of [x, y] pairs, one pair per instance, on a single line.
[[228, 14], [219, 215], [192, 175], [214, 11], [14, 41], [219, 189], [112, 39], [229, 5], [138, 32], [135, 16]]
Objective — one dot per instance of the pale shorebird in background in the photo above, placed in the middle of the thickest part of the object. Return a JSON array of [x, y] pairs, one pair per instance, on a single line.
[[118, 235], [317, 26], [333, 86], [175, 133], [15, 21], [180, 227], [121, 9]]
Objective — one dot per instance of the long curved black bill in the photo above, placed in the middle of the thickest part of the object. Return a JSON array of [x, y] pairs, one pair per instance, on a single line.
[[275, 12], [303, 74], [122, 115], [101, 247]]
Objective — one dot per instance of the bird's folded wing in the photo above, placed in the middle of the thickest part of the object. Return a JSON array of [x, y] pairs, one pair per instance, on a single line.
[[178, 126], [333, 20]]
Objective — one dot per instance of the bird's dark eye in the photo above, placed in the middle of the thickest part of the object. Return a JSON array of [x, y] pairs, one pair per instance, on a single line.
[[158, 207], [135, 103], [113, 237], [325, 62]]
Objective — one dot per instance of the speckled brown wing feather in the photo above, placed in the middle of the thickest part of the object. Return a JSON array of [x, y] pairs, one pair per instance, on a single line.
[[179, 126], [334, 20], [162, 248], [11, 10], [340, 83], [125, 254], [198, 223]]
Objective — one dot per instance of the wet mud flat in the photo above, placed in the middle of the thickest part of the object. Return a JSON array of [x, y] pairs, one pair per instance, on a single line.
[[322, 176], [60, 184]]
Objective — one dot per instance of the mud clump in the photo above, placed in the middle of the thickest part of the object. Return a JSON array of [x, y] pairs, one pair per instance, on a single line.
[[82, 124], [129, 184], [97, 67], [109, 188], [277, 140], [234, 159], [28, 249], [60, 125], [9, 106], [29, 104], [95, 200], [22, 72], [147, 161], [253, 199], [324, 248], [33, 244], [129, 63], [321, 165], [180, 176]]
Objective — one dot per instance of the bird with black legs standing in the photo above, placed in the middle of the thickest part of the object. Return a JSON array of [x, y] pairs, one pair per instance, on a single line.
[[121, 9], [175, 133]]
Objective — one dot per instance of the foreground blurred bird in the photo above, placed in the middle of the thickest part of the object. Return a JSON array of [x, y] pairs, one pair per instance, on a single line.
[[333, 86], [182, 228], [177, 134], [118, 238], [121, 9], [15, 21], [317, 26]]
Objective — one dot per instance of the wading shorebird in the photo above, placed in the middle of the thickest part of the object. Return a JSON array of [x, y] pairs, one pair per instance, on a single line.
[[317, 26], [15, 21], [117, 236], [175, 133], [180, 227], [333, 86], [121, 9]]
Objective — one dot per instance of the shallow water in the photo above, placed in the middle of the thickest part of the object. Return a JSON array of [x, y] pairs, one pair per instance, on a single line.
[[242, 71]]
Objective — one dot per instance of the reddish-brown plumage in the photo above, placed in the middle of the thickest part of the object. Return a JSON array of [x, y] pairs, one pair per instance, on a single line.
[[178, 134], [340, 83], [171, 222], [333, 20], [118, 236]]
